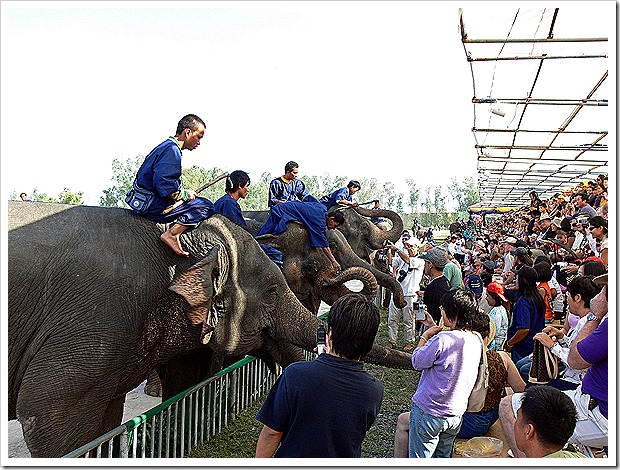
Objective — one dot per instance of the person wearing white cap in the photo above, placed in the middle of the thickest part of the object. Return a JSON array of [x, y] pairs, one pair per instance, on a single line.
[[408, 271]]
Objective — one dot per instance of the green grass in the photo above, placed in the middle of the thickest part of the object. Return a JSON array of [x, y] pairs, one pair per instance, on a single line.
[[238, 439]]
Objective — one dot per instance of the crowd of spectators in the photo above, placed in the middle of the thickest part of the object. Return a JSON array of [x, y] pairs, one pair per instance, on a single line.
[[539, 273], [536, 274]]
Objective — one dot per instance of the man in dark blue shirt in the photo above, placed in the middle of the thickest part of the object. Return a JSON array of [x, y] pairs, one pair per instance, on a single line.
[[160, 177], [287, 187], [323, 408], [342, 195], [237, 187]]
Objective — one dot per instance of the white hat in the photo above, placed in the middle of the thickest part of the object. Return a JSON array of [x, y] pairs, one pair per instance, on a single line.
[[415, 241]]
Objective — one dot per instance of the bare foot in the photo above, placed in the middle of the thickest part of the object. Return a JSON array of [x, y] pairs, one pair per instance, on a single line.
[[173, 242]]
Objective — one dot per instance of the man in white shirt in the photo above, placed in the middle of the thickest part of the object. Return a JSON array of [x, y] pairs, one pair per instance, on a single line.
[[408, 271]]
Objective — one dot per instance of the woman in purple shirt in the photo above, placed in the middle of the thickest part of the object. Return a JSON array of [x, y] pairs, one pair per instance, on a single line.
[[449, 362]]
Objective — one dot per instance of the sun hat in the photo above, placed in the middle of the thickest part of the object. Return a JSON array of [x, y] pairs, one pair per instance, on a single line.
[[480, 243], [497, 288], [437, 257], [557, 221], [545, 216], [511, 240], [600, 280]]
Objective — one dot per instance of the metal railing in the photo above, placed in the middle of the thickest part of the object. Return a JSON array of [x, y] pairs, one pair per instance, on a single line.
[[178, 425]]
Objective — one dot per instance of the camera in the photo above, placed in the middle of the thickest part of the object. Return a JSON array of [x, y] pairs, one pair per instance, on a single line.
[[421, 313], [583, 219], [321, 339]]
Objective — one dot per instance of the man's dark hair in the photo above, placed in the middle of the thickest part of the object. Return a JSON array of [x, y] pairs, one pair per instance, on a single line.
[[543, 270], [551, 412], [337, 216], [191, 121], [583, 196], [585, 287], [353, 321], [22, 194], [460, 303], [290, 166], [594, 268], [237, 179], [354, 184]]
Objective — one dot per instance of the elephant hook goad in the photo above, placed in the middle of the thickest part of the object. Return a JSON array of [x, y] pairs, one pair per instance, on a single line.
[[95, 301]]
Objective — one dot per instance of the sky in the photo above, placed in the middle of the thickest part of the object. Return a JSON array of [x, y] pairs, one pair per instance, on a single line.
[[358, 89]]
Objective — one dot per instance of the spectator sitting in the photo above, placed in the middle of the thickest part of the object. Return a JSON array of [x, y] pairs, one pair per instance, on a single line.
[[543, 271], [500, 307], [350, 398], [474, 284], [502, 371], [528, 316], [597, 226], [545, 421], [581, 291], [449, 364]]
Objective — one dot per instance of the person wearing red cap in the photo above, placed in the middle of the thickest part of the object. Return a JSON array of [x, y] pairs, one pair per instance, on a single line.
[[499, 313]]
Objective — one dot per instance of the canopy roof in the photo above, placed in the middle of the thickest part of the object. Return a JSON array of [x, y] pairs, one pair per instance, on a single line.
[[540, 82], [487, 209]]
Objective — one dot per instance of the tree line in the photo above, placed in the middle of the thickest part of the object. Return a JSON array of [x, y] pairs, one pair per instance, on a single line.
[[427, 204]]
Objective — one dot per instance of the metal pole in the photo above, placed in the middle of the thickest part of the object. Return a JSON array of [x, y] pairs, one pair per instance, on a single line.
[[532, 40], [537, 57]]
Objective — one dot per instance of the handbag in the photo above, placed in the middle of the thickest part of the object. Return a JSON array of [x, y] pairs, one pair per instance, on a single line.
[[544, 365], [478, 395], [139, 199]]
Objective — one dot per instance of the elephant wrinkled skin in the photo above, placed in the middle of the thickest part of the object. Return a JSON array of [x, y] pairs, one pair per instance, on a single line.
[[95, 301]]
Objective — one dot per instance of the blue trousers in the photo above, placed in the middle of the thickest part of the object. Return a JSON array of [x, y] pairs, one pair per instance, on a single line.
[[477, 424], [430, 436], [190, 213]]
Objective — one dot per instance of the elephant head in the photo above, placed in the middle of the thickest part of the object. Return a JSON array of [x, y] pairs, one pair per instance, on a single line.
[[363, 235], [309, 272]]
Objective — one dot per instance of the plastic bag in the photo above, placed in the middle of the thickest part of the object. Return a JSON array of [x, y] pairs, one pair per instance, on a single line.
[[480, 447]]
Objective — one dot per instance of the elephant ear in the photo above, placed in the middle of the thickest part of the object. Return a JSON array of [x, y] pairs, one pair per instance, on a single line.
[[196, 286]]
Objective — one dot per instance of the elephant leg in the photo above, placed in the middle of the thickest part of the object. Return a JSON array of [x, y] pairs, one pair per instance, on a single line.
[[183, 371], [60, 412], [153, 384]]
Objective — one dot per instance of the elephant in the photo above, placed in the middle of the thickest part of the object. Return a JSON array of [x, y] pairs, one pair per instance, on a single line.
[[309, 272], [306, 269], [364, 236], [96, 301]]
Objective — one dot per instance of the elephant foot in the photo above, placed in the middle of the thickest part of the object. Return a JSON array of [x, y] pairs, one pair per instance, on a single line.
[[153, 385]]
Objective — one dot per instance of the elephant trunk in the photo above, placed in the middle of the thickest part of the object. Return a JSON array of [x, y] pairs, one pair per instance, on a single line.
[[378, 236], [388, 358], [297, 326], [333, 288], [348, 258]]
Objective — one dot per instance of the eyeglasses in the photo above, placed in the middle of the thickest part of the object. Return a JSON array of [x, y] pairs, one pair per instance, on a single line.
[[591, 227]]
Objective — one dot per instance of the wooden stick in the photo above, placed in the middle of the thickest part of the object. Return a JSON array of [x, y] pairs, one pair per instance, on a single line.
[[198, 191]]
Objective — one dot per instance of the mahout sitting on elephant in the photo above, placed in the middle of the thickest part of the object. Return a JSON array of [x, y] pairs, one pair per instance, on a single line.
[[95, 301]]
